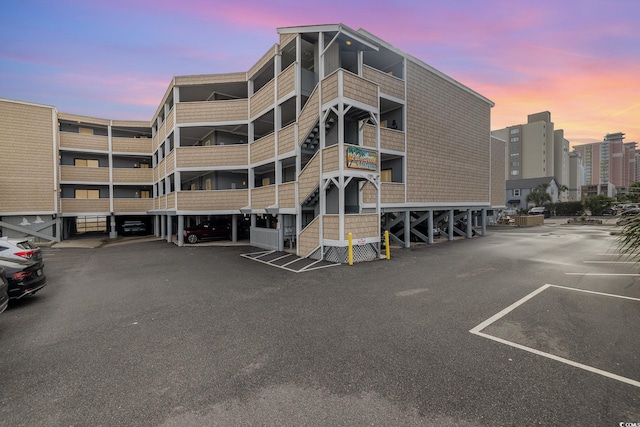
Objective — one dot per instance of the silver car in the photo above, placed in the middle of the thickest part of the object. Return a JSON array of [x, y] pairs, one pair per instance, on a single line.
[[19, 248]]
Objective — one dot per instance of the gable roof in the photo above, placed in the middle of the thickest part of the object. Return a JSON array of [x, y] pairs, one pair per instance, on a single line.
[[529, 182]]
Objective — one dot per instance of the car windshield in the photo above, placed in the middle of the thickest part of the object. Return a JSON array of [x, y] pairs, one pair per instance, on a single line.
[[25, 245]]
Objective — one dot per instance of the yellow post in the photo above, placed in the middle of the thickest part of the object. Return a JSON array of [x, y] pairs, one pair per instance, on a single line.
[[350, 237], [386, 243]]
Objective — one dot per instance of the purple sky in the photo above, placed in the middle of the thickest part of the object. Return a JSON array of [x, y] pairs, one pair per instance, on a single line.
[[578, 59]]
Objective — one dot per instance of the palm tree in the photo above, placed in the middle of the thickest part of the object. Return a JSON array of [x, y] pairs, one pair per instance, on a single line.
[[539, 195], [629, 239]]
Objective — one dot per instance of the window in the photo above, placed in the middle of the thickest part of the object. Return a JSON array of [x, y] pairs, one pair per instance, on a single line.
[[85, 131], [516, 192], [265, 181], [516, 164], [145, 194], [515, 172], [87, 194], [386, 175], [514, 131], [89, 163], [515, 147], [514, 155], [515, 139]]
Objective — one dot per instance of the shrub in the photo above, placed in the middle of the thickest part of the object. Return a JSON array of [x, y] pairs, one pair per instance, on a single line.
[[567, 209]]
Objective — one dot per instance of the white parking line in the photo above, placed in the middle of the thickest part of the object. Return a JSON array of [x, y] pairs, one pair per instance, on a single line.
[[603, 274], [481, 326], [609, 262]]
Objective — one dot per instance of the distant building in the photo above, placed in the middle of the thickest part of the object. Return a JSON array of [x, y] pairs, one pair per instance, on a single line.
[[611, 161], [576, 176], [536, 150], [518, 190]]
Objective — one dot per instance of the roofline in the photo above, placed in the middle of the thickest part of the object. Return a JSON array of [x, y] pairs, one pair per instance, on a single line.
[[340, 28]]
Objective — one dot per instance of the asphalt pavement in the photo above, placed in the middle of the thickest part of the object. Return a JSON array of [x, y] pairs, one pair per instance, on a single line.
[[529, 326]]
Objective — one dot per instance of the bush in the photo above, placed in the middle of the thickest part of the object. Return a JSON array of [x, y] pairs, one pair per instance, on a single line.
[[567, 209], [597, 204]]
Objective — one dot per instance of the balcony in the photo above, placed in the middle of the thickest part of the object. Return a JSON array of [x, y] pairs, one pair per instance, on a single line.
[[390, 139], [212, 156], [78, 141], [353, 87], [355, 158], [212, 200], [287, 139], [83, 174], [212, 111], [132, 205], [361, 226], [287, 195], [287, 81], [263, 99], [390, 193], [85, 206], [309, 178], [132, 175], [131, 145], [263, 149], [263, 197], [389, 85]]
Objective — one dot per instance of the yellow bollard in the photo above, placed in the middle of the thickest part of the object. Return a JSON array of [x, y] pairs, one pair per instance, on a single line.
[[386, 243], [350, 237]]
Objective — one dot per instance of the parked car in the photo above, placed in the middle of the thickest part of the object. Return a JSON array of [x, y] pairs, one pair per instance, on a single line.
[[540, 210], [207, 230], [610, 211], [25, 277], [4, 290], [19, 248], [631, 212], [134, 227]]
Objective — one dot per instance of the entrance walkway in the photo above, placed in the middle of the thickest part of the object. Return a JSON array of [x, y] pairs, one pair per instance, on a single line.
[[287, 261]]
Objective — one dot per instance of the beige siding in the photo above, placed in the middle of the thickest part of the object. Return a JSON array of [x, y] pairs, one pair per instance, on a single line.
[[285, 39], [391, 139], [85, 205], [309, 238], [170, 162], [130, 124], [287, 139], [358, 89], [262, 99], [308, 116], [162, 132], [330, 87], [131, 145], [390, 192], [361, 226], [132, 205], [309, 178], [263, 197], [155, 142], [161, 202], [83, 174], [389, 85], [83, 119], [212, 156], [263, 61], [28, 158], [161, 169], [447, 141], [169, 121], [137, 175], [77, 141], [263, 149], [204, 79], [211, 111], [287, 81], [330, 159], [498, 183], [331, 227], [213, 200], [287, 195]]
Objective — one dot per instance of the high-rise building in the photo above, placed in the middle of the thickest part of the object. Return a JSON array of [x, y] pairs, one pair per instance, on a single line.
[[536, 150], [611, 161]]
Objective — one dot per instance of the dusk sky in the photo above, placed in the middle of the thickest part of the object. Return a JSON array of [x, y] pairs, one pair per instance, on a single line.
[[578, 59]]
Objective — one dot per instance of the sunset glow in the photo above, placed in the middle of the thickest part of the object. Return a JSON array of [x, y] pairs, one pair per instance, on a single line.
[[580, 60]]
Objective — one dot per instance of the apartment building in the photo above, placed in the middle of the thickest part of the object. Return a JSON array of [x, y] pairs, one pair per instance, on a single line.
[[332, 134], [536, 150], [611, 161]]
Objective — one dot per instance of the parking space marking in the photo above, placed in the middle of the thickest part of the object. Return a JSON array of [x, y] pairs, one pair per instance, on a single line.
[[603, 274], [477, 331], [609, 262], [307, 264]]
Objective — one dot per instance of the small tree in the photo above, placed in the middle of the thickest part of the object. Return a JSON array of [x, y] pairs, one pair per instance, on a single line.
[[597, 204], [539, 195], [634, 192]]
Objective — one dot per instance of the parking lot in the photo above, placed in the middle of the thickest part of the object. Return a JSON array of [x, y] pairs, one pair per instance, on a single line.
[[531, 326]]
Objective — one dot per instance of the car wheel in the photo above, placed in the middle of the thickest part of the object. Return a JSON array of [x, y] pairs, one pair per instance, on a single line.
[[192, 238]]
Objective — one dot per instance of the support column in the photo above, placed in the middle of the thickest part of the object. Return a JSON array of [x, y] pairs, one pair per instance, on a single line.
[[484, 223], [280, 233], [180, 230], [163, 225], [169, 228], [234, 228], [156, 225], [469, 224], [407, 229], [430, 225], [451, 224]]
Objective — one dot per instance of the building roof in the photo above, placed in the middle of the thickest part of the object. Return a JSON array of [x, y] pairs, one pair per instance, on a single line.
[[529, 182]]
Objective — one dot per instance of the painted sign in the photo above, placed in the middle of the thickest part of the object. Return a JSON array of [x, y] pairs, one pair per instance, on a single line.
[[359, 158]]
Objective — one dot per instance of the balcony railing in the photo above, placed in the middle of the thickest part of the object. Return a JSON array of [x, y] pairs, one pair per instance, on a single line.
[[85, 206], [83, 174], [263, 197], [132, 205], [390, 139], [389, 85], [212, 200], [263, 148], [361, 226], [390, 192], [309, 238], [212, 156], [262, 99], [287, 195], [131, 145], [133, 175], [287, 81], [78, 141], [212, 111], [287, 139]]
